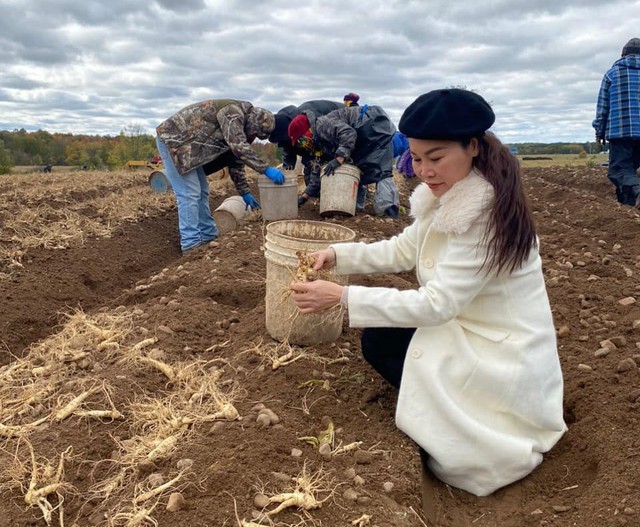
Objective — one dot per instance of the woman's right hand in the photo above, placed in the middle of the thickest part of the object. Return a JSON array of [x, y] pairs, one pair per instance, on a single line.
[[324, 259]]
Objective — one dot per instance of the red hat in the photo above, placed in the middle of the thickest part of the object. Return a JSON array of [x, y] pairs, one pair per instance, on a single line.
[[298, 127]]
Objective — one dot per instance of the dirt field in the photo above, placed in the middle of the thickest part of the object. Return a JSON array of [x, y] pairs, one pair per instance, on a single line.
[[130, 373]]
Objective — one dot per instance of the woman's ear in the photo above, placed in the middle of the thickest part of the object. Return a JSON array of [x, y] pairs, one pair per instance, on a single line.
[[474, 147]]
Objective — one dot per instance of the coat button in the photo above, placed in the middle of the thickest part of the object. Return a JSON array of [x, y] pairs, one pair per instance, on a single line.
[[416, 353], [428, 263]]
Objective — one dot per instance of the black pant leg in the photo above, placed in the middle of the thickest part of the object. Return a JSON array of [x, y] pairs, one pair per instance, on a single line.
[[220, 162], [385, 349]]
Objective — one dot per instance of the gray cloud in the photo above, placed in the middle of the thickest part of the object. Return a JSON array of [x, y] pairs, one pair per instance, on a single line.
[[96, 67]]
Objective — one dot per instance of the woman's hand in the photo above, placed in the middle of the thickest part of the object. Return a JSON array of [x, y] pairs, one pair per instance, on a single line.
[[324, 259], [312, 297]]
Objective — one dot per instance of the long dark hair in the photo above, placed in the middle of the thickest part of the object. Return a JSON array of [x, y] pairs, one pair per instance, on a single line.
[[511, 233]]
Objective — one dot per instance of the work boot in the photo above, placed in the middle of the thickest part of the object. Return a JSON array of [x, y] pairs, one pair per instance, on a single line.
[[629, 195], [302, 200], [391, 212], [193, 248], [198, 246]]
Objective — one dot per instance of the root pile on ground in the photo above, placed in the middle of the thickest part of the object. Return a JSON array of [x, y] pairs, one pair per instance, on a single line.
[[57, 380], [303, 495], [52, 380], [39, 480]]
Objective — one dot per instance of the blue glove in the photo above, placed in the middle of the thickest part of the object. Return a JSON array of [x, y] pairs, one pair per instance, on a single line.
[[274, 175], [331, 167], [250, 201]]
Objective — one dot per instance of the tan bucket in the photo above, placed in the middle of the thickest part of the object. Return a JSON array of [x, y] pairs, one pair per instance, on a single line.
[[339, 191], [279, 202], [284, 321], [230, 214]]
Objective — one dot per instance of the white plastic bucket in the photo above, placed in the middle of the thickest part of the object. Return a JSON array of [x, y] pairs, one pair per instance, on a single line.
[[284, 321], [230, 214], [339, 191], [279, 202]]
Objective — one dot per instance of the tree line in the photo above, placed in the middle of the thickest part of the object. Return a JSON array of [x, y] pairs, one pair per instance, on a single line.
[[41, 148], [557, 148]]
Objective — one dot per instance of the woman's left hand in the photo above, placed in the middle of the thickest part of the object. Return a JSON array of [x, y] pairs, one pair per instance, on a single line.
[[311, 297]]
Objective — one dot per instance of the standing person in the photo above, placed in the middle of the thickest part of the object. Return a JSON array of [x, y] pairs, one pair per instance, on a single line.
[[362, 135], [473, 348], [203, 138], [618, 121], [290, 152]]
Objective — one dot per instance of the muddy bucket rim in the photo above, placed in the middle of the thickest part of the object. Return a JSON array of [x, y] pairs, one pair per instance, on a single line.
[[274, 225]]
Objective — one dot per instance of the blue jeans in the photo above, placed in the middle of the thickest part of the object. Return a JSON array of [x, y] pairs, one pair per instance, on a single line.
[[624, 160], [195, 221]]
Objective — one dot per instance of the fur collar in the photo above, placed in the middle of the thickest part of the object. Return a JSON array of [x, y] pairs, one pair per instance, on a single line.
[[458, 208]]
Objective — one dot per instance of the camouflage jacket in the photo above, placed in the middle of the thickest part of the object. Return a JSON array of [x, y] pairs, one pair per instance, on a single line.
[[362, 134], [208, 130]]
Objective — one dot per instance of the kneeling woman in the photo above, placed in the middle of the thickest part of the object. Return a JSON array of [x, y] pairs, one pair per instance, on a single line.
[[473, 349]]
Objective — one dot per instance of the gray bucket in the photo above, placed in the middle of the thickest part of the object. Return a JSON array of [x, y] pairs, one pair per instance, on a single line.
[[339, 191], [279, 202], [158, 181]]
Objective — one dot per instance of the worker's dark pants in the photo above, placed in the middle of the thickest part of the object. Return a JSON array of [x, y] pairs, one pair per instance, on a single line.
[[227, 159], [624, 161], [385, 349], [308, 170], [313, 185]]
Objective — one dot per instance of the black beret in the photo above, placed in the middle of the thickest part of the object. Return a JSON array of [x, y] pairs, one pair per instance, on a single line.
[[279, 133], [447, 114]]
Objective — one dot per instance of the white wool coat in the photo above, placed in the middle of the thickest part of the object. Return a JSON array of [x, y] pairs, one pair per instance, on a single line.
[[481, 388]]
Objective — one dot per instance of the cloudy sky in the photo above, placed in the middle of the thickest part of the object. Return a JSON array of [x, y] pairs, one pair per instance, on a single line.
[[98, 66]]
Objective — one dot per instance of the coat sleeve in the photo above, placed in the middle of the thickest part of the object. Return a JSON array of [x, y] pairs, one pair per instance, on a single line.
[[394, 255], [602, 108], [237, 175], [231, 119], [289, 155], [458, 278], [337, 133]]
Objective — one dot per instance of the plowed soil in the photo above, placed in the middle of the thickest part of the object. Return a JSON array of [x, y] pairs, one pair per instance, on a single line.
[[209, 306]]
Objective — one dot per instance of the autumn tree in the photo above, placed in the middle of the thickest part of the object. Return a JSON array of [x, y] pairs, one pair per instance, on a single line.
[[5, 159], [131, 144]]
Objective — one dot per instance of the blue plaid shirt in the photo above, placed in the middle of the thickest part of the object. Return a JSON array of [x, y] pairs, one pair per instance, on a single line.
[[618, 110]]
